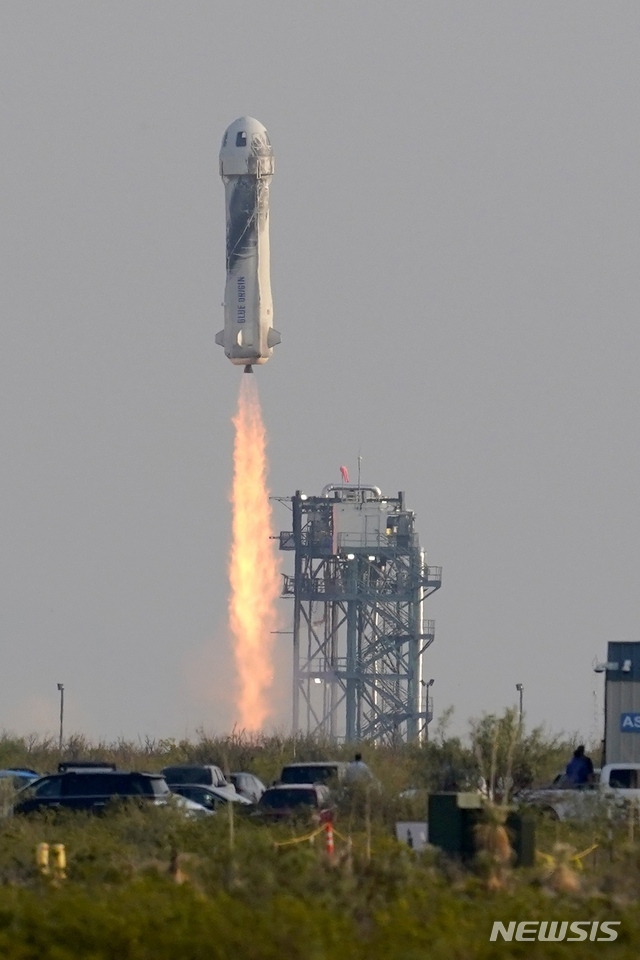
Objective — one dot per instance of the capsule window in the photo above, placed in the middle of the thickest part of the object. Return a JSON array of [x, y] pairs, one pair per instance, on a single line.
[[225, 138], [241, 139]]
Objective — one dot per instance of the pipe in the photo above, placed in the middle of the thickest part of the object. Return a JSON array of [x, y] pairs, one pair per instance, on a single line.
[[330, 487]]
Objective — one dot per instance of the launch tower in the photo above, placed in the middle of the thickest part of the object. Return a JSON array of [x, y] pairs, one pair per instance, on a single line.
[[360, 633]]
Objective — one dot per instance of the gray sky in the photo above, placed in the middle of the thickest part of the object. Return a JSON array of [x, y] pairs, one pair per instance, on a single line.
[[455, 256]]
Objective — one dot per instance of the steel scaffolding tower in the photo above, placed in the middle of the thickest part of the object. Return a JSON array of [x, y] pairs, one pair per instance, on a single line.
[[359, 632]]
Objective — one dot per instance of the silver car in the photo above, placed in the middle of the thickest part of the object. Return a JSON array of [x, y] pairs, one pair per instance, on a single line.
[[248, 785], [211, 798]]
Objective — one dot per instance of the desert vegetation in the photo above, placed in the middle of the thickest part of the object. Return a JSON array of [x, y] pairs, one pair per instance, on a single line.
[[147, 883]]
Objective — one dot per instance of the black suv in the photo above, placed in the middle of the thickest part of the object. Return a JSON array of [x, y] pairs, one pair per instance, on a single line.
[[206, 774], [320, 771], [90, 790]]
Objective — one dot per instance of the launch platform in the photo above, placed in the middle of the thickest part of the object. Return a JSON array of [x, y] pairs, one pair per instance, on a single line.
[[360, 632]]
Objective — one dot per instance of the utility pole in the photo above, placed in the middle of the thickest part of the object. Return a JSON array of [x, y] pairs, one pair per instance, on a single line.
[[520, 689], [61, 689]]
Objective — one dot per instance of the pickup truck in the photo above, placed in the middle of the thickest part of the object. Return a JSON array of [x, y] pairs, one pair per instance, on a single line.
[[615, 786]]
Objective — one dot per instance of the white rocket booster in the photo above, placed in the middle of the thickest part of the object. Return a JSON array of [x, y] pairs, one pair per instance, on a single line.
[[246, 168]]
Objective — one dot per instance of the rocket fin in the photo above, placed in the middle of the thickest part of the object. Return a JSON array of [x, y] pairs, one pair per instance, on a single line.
[[220, 338], [273, 337]]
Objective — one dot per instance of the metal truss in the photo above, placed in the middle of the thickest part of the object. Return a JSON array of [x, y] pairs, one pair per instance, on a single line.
[[359, 633]]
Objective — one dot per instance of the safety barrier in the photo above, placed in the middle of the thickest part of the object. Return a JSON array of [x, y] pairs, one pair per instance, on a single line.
[[577, 857], [328, 840], [330, 833], [51, 861], [293, 840], [42, 859]]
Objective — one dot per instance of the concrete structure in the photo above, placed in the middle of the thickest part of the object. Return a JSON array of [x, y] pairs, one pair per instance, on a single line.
[[622, 702], [360, 632], [246, 168]]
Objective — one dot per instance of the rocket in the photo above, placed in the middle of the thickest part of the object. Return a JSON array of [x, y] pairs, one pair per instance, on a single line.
[[246, 168]]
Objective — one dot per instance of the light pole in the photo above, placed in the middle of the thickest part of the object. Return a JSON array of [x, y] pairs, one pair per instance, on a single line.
[[520, 689], [429, 716], [61, 689], [603, 668]]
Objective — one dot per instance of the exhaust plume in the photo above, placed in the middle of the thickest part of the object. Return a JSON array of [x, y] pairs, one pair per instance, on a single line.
[[253, 565]]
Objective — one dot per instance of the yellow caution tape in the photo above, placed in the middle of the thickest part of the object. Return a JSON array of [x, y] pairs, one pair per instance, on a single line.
[[308, 836], [577, 856], [336, 833], [545, 856]]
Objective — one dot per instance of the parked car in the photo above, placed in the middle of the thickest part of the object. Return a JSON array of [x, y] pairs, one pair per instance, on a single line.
[[90, 790], [291, 799], [559, 782], [81, 765], [19, 777], [317, 771], [248, 785], [211, 798], [190, 808], [209, 775], [614, 785]]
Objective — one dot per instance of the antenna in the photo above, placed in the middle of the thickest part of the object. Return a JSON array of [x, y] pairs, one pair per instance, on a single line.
[[359, 467]]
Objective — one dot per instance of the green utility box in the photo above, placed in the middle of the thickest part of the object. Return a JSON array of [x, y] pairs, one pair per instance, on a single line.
[[522, 835], [452, 817]]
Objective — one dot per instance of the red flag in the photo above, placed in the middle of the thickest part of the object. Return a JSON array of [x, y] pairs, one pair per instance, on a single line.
[[345, 474]]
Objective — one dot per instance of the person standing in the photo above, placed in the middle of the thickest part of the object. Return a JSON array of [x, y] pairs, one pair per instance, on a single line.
[[579, 770], [357, 770]]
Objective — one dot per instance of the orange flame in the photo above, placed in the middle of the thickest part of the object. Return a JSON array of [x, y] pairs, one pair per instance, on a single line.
[[253, 567]]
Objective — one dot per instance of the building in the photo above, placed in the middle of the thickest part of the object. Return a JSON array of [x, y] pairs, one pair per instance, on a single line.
[[622, 702]]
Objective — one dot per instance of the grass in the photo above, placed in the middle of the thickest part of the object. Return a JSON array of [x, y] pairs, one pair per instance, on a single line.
[[146, 883], [121, 899]]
